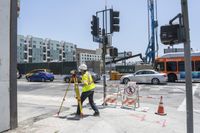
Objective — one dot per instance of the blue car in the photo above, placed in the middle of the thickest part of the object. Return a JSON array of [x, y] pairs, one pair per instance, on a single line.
[[40, 76]]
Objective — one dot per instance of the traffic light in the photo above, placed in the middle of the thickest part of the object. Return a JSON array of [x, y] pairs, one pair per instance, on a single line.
[[172, 34], [95, 26], [114, 21], [113, 52], [105, 40]]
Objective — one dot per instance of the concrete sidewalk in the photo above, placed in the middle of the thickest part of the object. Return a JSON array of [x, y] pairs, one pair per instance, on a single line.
[[111, 120]]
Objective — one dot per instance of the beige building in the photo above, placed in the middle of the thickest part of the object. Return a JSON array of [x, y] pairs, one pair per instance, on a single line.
[[85, 55]]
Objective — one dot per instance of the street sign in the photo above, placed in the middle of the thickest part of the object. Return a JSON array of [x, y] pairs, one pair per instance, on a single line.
[[97, 39]]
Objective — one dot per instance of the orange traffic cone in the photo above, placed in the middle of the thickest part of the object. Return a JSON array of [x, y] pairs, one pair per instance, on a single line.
[[160, 108]]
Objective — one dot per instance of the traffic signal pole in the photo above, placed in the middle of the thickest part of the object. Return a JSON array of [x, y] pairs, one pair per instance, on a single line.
[[188, 77], [104, 32], [104, 43], [103, 38], [104, 66]]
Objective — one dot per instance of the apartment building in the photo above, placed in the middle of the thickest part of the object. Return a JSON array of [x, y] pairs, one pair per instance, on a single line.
[[21, 49], [68, 51], [53, 50], [34, 50]]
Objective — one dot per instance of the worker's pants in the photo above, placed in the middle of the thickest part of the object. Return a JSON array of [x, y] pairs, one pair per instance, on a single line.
[[84, 95]]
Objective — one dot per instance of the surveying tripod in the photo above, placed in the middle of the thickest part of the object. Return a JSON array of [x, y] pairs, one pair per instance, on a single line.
[[73, 79]]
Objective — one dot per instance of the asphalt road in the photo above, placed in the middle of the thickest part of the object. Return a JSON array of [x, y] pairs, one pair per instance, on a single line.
[[173, 93]]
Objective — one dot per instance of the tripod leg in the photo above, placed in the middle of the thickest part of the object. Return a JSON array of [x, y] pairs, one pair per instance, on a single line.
[[64, 98], [78, 96]]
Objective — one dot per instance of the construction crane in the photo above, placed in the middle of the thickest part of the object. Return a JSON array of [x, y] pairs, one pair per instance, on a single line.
[[152, 47]]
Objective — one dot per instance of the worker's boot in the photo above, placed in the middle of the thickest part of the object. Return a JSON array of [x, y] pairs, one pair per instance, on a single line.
[[96, 114]]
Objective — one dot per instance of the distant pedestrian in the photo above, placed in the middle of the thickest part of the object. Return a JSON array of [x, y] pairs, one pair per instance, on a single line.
[[87, 89]]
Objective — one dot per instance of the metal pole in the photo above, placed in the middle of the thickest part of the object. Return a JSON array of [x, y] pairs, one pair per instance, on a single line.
[[104, 73], [187, 53], [106, 20], [104, 62], [124, 57]]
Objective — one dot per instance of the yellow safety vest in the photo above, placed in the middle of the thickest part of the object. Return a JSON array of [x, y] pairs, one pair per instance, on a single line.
[[88, 82]]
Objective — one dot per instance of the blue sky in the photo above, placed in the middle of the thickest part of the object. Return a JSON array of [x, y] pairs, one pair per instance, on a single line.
[[69, 20]]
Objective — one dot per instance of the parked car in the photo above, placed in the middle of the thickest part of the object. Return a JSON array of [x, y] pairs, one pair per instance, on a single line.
[[36, 71], [95, 77], [40, 76], [145, 76]]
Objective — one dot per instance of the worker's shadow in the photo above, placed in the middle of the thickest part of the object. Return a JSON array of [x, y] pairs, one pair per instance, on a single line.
[[76, 118], [73, 116]]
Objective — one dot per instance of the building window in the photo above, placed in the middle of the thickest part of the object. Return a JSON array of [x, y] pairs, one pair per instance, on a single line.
[[48, 53], [30, 60], [44, 57], [44, 49], [25, 55], [30, 51]]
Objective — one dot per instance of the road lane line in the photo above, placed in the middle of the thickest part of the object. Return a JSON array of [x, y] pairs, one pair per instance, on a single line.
[[182, 106]]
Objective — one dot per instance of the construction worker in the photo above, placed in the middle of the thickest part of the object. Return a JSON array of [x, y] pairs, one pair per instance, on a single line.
[[87, 89]]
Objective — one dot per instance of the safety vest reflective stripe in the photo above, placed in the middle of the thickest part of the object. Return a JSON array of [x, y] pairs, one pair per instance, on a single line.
[[88, 82]]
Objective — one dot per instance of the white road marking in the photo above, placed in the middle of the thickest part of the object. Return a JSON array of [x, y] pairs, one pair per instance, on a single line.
[[26, 82], [182, 106], [98, 85], [41, 83]]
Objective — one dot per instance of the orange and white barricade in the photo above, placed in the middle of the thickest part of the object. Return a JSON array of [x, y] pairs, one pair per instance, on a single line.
[[130, 96], [113, 94], [111, 100]]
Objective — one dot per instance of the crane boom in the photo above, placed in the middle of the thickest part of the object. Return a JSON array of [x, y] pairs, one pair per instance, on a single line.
[[152, 47]]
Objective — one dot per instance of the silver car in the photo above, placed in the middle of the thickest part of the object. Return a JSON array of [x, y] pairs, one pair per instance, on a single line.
[[145, 76]]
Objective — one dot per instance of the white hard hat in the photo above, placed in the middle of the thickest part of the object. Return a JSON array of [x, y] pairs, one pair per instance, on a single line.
[[83, 67]]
